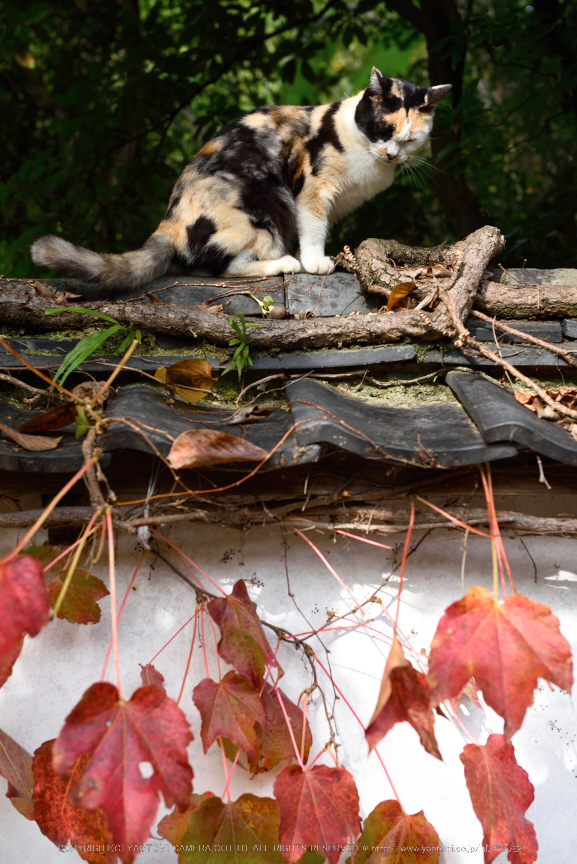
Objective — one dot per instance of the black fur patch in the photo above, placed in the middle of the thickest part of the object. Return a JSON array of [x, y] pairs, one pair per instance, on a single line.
[[202, 253], [212, 257], [269, 206], [413, 96], [391, 102], [199, 234], [373, 126], [297, 184], [215, 259], [327, 134]]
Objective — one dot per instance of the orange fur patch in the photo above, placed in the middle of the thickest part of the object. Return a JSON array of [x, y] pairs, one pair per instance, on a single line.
[[209, 149]]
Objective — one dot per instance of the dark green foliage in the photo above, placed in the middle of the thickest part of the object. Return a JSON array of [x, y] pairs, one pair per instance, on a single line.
[[104, 103], [241, 344], [90, 344]]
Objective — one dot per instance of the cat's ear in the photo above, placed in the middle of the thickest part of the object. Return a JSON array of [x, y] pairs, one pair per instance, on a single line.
[[434, 96], [378, 83]]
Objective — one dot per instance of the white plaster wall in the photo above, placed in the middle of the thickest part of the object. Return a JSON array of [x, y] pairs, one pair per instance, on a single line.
[[57, 666]]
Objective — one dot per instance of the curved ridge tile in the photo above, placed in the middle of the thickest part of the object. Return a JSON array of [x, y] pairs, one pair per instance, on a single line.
[[435, 435], [152, 425], [499, 417]]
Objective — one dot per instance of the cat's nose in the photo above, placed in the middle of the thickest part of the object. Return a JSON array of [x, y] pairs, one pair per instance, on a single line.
[[391, 156]]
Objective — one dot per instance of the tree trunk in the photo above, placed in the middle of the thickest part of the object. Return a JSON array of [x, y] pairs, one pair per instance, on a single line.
[[435, 21]]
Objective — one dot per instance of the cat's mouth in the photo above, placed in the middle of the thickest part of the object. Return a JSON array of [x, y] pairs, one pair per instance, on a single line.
[[398, 159]]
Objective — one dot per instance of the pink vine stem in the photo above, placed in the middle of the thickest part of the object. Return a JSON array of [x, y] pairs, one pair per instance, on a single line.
[[47, 511], [111, 566], [123, 604], [350, 707], [192, 643], [403, 563], [330, 568], [190, 561]]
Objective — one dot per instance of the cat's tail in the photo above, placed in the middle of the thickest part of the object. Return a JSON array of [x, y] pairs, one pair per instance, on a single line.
[[128, 270]]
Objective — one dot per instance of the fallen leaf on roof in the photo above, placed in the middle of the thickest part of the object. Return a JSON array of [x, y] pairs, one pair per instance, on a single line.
[[399, 293], [190, 379], [198, 447], [35, 443], [247, 415]]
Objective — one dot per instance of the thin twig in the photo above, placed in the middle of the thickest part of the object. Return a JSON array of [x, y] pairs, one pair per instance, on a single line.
[[36, 390], [568, 356], [403, 383], [464, 338]]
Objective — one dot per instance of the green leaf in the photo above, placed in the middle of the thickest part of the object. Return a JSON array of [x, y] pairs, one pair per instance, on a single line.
[[83, 310], [79, 606], [82, 422], [84, 349], [132, 334]]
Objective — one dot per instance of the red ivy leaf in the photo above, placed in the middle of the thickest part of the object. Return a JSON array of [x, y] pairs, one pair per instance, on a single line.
[[404, 695], [138, 750], [501, 792], [16, 768], [391, 836], [174, 825], [317, 807], [150, 675], [242, 641], [505, 646], [79, 605], [274, 740], [247, 829], [24, 609], [59, 819], [230, 708], [470, 691]]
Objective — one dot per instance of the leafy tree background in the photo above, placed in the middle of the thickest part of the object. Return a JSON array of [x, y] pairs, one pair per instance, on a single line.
[[103, 102]]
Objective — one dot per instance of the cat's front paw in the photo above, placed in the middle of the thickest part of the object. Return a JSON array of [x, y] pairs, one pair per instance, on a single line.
[[313, 264], [288, 264]]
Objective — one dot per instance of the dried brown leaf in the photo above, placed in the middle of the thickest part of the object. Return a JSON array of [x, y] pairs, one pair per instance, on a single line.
[[43, 290], [55, 418], [190, 379], [16, 768], [208, 447], [34, 443], [90, 389], [398, 293]]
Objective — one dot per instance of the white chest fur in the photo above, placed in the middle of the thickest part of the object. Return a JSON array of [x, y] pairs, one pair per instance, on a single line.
[[365, 178], [364, 175]]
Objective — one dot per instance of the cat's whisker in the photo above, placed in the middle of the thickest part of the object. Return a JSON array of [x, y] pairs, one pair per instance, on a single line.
[[413, 175], [423, 161]]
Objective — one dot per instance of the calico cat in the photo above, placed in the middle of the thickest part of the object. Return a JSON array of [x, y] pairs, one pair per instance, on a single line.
[[236, 206]]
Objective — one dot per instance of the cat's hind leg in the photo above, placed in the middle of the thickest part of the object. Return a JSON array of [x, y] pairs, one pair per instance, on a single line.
[[246, 264]]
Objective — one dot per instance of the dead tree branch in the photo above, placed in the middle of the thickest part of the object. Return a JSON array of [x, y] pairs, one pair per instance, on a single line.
[[470, 257], [527, 301], [361, 518]]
